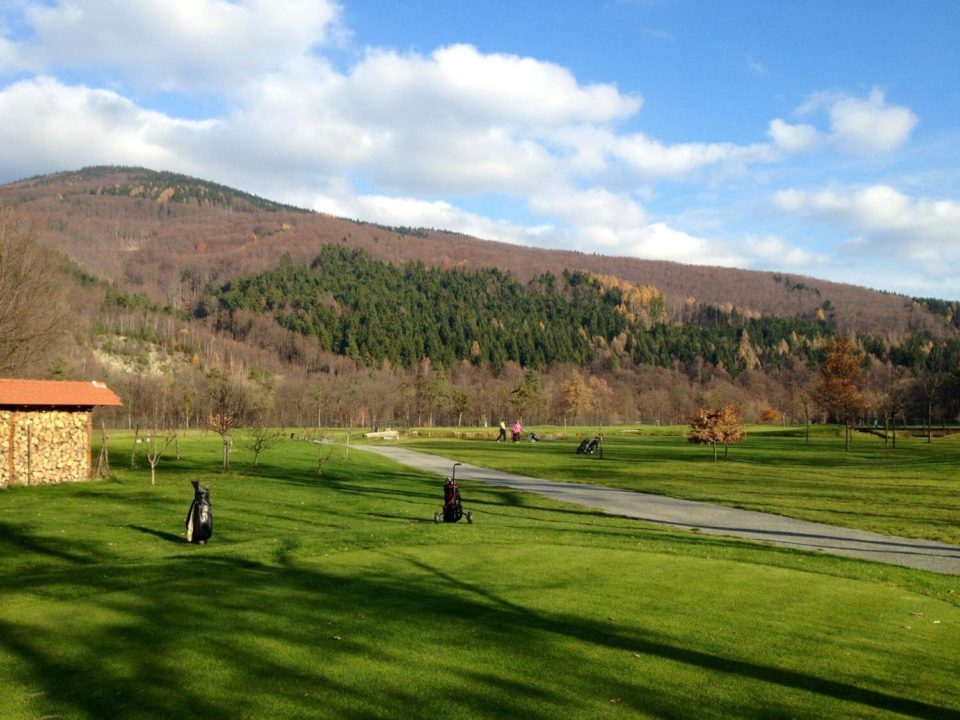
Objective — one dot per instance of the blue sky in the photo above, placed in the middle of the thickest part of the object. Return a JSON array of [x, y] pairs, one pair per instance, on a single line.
[[812, 138]]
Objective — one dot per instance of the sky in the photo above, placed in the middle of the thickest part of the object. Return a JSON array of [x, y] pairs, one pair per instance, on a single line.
[[810, 138]]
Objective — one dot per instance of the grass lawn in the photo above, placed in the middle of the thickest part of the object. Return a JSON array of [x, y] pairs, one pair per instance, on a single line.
[[912, 491], [337, 596]]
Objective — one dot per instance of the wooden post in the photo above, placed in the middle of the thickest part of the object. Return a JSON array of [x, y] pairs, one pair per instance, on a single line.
[[103, 462], [133, 451]]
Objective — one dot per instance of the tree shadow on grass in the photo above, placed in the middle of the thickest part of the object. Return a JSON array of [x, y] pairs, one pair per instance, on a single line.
[[297, 641], [169, 537], [18, 539], [404, 518]]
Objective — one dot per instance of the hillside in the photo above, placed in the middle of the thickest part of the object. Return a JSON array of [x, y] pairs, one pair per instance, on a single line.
[[353, 305], [165, 286], [168, 236]]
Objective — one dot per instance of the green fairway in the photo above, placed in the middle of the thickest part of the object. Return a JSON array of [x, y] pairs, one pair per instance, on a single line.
[[912, 491], [337, 596]]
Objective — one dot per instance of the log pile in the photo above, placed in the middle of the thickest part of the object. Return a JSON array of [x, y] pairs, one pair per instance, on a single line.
[[42, 447]]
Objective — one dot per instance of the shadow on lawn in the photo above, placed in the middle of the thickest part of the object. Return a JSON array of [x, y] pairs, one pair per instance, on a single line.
[[18, 540], [300, 642], [169, 537]]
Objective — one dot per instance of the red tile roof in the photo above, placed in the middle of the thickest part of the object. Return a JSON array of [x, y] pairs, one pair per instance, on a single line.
[[56, 393]]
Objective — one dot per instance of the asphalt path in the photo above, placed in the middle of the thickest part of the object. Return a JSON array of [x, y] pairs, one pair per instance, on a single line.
[[704, 517]]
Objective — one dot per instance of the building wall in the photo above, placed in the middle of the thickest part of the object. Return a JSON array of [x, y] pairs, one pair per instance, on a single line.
[[46, 446]]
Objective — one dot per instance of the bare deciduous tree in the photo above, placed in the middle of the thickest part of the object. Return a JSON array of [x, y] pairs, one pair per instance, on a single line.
[[32, 313], [889, 388], [260, 437], [228, 406], [155, 452]]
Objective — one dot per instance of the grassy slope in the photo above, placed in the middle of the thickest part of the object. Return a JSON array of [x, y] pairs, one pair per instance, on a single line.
[[913, 491], [337, 596]]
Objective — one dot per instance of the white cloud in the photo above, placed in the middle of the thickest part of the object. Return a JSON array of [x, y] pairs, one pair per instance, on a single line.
[[592, 149], [413, 212], [447, 124], [461, 83], [177, 44], [871, 125], [863, 126], [881, 212], [48, 126], [892, 240], [587, 219], [653, 159], [597, 217], [793, 138], [770, 251], [658, 241]]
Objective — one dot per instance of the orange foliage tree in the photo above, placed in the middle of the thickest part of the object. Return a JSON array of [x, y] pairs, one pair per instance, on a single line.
[[717, 427], [837, 389]]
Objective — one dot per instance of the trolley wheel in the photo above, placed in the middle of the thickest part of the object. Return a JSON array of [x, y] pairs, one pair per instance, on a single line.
[[436, 517], [470, 518]]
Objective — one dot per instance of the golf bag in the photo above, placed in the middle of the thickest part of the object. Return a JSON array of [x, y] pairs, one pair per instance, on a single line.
[[452, 509], [452, 504], [534, 437], [199, 520], [589, 447]]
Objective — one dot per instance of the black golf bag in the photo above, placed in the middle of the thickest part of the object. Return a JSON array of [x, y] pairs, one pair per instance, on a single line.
[[589, 447], [199, 520], [534, 437], [452, 509]]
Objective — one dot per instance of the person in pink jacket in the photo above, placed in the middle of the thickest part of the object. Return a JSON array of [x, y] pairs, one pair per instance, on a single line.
[[517, 429]]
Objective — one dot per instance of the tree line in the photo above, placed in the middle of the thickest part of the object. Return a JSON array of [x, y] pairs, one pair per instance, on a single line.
[[583, 363], [354, 305]]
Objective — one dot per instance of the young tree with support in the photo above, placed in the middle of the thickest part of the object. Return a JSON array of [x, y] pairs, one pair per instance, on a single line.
[[155, 452]]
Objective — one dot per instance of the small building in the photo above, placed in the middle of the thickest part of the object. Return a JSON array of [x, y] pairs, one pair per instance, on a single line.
[[46, 430]]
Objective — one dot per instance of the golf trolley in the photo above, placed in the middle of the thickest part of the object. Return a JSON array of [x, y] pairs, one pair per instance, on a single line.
[[452, 509]]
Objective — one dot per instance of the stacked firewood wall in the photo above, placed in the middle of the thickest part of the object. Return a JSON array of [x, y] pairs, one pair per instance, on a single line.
[[44, 447]]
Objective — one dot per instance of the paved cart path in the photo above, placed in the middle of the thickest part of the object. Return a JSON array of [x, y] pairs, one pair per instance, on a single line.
[[705, 517]]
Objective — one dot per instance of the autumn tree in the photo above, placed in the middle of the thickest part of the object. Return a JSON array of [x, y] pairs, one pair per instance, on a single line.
[[837, 388], [717, 427], [577, 398], [31, 290], [601, 396], [731, 426]]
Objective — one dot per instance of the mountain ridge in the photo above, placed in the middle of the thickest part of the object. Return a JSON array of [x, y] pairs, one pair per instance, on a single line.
[[168, 235]]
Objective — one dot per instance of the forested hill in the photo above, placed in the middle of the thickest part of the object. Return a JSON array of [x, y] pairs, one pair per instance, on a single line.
[[355, 305], [167, 236]]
